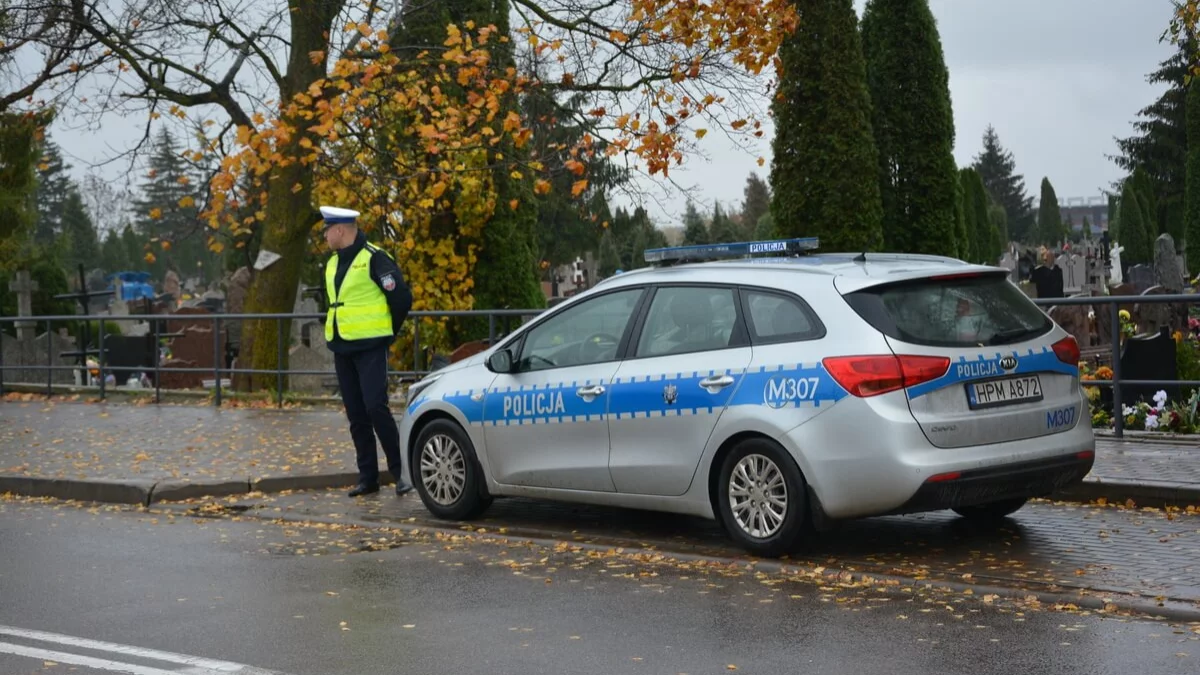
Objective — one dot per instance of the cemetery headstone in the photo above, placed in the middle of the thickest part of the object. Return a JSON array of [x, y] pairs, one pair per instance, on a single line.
[[1148, 357], [1073, 268], [172, 286], [24, 286], [1142, 278], [313, 357], [1168, 272], [1075, 320]]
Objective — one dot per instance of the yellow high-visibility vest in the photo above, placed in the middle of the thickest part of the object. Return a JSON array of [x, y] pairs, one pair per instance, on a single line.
[[360, 308]]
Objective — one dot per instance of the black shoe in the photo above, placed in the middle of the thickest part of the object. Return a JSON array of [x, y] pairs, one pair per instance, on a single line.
[[364, 489], [403, 489]]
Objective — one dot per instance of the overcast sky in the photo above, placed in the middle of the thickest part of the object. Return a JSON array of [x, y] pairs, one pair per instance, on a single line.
[[1059, 79]]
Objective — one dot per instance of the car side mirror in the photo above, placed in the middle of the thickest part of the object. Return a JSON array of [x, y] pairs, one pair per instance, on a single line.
[[501, 361]]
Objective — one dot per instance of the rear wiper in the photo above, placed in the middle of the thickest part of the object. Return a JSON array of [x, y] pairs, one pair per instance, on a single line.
[[1009, 336]]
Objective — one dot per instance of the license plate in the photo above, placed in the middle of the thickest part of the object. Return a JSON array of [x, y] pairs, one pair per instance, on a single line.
[[1007, 391]]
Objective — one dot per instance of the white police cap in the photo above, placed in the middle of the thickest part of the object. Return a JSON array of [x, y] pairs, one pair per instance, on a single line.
[[334, 215]]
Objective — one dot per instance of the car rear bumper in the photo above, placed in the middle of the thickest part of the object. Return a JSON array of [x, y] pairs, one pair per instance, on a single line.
[[1038, 478], [870, 457]]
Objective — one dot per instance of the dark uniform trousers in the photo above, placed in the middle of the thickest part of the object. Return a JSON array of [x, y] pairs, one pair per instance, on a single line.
[[362, 379]]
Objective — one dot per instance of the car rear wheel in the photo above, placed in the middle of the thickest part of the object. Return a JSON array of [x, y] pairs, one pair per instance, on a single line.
[[448, 476], [988, 513], [761, 498]]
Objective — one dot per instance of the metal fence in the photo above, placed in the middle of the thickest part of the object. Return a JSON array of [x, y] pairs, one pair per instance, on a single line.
[[499, 322]]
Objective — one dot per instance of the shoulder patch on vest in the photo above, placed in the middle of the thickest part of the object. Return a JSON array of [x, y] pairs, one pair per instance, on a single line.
[[388, 282]]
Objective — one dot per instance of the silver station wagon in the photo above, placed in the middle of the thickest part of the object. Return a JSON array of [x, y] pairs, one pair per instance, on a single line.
[[776, 393]]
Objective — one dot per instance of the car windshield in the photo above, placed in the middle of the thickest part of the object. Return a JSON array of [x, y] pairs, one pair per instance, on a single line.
[[955, 311]]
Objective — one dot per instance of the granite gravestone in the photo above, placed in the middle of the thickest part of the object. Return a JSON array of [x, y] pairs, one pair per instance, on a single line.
[[1142, 278], [313, 357]]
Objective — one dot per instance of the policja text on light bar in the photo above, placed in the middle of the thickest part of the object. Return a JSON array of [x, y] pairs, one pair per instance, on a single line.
[[746, 248]]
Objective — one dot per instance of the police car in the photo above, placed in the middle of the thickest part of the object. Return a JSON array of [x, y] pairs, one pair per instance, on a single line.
[[775, 394]]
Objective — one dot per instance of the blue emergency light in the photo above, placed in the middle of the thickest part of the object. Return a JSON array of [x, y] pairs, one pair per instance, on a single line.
[[782, 247]]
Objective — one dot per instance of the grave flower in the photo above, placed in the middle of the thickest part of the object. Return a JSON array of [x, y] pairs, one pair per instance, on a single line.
[[1160, 398], [1151, 422]]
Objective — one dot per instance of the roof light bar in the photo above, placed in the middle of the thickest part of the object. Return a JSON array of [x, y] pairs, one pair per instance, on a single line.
[[712, 251]]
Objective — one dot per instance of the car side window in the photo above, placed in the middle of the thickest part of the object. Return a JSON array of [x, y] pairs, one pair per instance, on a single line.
[[589, 332], [775, 317], [690, 319]]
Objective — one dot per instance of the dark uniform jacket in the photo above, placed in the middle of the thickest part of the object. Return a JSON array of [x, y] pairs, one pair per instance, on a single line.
[[384, 272]]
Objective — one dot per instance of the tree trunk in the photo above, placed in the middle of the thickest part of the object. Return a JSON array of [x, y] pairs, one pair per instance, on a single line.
[[290, 213]]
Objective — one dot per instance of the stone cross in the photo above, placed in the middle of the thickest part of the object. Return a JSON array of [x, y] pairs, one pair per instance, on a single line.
[[24, 286]]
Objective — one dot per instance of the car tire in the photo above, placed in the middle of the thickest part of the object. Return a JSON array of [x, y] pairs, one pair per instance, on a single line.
[[446, 472], [737, 489], [991, 512]]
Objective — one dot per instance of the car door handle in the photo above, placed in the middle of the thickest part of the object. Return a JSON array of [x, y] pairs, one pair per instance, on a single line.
[[589, 393], [716, 383]]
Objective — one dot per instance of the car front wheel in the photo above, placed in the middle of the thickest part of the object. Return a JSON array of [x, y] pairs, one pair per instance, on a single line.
[[448, 476], [761, 498]]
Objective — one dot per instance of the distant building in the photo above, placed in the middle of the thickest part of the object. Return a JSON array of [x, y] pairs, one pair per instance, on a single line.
[[1074, 209]]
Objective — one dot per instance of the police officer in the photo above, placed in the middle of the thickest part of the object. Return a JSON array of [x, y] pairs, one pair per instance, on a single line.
[[368, 302]]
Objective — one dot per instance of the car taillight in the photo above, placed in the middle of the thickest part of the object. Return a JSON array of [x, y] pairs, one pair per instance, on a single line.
[[865, 376], [1067, 350]]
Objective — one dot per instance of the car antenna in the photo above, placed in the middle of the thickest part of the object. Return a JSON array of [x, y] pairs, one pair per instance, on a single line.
[[861, 257]]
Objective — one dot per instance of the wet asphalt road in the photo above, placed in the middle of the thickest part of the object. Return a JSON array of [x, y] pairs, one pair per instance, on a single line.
[[303, 600]]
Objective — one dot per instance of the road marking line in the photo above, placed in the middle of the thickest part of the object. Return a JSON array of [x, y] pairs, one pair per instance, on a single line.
[[77, 660], [208, 665]]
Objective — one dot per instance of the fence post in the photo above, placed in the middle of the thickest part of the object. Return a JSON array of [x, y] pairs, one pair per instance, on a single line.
[[217, 361], [417, 345], [157, 358], [49, 359], [1118, 416], [100, 361], [279, 365]]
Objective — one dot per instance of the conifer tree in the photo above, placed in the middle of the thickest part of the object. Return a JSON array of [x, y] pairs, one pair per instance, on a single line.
[[609, 258], [1086, 230], [962, 228], [722, 229], [54, 186], [997, 168], [112, 253], [80, 243], [913, 125], [1050, 224], [168, 211], [1135, 238], [756, 203], [694, 229], [824, 176], [1192, 218], [1159, 143]]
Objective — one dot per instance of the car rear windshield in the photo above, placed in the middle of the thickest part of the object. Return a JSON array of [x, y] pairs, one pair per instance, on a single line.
[[952, 311]]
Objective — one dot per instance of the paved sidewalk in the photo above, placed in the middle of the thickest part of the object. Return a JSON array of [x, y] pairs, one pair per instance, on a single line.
[[147, 453]]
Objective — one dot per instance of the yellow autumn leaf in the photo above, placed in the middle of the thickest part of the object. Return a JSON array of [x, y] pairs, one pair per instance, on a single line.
[[541, 186], [155, 213], [149, 258], [578, 187], [186, 201], [700, 133]]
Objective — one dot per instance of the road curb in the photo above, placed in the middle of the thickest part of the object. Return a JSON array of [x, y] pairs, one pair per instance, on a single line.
[[84, 490], [1143, 493], [176, 490], [147, 491]]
